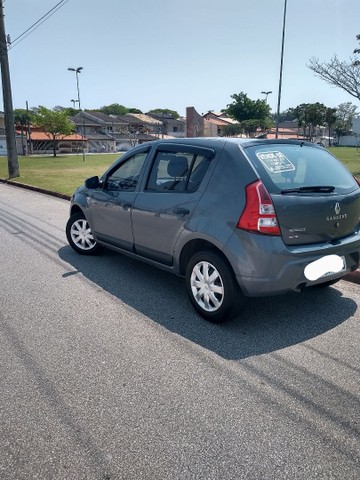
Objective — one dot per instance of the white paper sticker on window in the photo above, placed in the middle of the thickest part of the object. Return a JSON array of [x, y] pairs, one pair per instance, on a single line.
[[275, 162]]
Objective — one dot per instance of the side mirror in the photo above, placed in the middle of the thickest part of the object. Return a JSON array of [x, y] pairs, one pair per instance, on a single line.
[[92, 182]]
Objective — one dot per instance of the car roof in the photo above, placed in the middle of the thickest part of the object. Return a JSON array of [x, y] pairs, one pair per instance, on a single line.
[[216, 141]]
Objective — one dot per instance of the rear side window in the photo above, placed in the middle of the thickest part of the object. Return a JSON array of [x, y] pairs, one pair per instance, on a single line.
[[284, 166], [177, 172]]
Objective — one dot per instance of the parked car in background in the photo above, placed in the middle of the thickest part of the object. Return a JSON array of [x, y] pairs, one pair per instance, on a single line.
[[235, 217]]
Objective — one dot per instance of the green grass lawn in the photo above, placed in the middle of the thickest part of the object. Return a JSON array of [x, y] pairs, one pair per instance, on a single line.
[[64, 173], [349, 156]]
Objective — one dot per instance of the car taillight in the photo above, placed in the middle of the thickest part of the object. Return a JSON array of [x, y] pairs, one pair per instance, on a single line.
[[357, 180], [259, 214]]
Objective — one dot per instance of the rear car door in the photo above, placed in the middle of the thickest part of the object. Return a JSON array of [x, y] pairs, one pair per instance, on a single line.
[[173, 189]]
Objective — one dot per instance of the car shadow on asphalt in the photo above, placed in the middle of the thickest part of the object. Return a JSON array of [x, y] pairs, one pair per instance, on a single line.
[[265, 324]]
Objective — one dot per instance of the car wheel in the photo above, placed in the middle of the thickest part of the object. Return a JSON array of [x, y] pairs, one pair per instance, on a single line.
[[79, 235], [212, 287]]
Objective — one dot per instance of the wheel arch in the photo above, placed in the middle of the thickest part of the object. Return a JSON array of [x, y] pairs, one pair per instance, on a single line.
[[76, 209], [195, 246]]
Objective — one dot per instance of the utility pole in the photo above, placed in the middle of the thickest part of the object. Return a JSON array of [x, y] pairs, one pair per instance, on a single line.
[[13, 164], [281, 72]]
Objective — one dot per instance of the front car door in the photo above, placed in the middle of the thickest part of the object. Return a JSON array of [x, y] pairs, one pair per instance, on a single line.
[[110, 206]]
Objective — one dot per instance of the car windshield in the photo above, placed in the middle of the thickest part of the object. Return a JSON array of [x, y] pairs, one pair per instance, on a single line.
[[286, 168]]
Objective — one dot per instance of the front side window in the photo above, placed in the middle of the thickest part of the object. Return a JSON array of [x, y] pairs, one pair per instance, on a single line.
[[125, 177], [180, 172]]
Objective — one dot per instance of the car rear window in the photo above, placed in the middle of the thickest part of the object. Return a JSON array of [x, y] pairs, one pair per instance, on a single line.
[[286, 166]]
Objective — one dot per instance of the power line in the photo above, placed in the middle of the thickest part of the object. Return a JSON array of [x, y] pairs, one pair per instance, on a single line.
[[38, 23]]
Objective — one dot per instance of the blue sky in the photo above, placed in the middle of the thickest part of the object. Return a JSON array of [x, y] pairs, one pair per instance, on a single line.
[[173, 54]]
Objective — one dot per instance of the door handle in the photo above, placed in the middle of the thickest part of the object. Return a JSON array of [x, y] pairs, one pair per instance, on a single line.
[[181, 211], [126, 205]]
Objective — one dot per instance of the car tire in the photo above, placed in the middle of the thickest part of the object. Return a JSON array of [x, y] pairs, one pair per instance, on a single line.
[[79, 235], [212, 287]]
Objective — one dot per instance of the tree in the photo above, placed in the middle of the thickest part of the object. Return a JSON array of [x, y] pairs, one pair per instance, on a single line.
[[251, 114], [309, 117], [233, 130], [166, 112], [342, 74], [330, 120], [243, 108], [133, 110], [285, 116], [356, 51], [345, 114], [55, 124], [114, 109]]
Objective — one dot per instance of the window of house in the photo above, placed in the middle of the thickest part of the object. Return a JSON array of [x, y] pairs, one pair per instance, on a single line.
[[125, 177]]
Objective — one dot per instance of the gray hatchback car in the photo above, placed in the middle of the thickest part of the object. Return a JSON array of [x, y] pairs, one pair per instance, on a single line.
[[235, 217]]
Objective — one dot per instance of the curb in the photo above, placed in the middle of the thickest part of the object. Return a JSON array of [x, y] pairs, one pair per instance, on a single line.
[[35, 189]]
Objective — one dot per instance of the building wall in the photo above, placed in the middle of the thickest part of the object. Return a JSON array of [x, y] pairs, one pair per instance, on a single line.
[[194, 123], [3, 148], [352, 140]]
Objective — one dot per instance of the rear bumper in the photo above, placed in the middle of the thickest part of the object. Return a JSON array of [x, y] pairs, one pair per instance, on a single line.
[[264, 265]]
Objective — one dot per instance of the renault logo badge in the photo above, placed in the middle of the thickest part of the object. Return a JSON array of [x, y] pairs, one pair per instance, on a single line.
[[337, 208]]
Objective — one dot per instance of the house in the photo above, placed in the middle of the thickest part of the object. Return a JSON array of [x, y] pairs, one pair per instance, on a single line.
[[209, 125], [110, 133], [286, 130], [35, 141], [97, 128], [218, 120], [170, 127], [41, 143]]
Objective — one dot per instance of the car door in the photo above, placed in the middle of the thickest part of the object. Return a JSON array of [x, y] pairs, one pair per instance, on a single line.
[[110, 207], [165, 205]]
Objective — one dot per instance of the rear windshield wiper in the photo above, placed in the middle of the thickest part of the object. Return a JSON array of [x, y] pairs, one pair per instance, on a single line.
[[310, 189]]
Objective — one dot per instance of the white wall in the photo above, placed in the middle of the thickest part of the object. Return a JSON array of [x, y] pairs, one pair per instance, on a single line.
[[352, 140], [3, 149]]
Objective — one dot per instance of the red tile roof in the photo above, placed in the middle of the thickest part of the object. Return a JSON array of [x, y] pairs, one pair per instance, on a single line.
[[42, 136]]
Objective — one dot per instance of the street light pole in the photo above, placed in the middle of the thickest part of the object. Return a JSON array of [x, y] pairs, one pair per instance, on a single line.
[[77, 71], [266, 94], [281, 71]]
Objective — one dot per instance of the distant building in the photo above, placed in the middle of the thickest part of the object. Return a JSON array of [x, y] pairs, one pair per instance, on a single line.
[[3, 147], [354, 139], [211, 124], [219, 121], [110, 133], [170, 127]]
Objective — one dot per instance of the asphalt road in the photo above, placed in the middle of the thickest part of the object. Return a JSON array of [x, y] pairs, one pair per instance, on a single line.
[[107, 373]]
